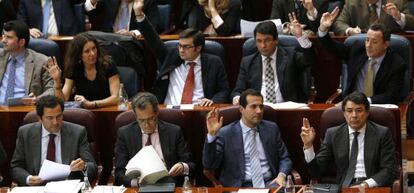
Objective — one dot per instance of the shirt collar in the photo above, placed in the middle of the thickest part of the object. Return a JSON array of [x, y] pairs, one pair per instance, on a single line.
[[19, 57], [197, 60], [245, 128], [378, 59], [361, 131], [45, 133], [273, 56]]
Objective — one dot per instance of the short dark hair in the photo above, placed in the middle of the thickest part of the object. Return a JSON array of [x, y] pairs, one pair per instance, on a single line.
[[248, 92], [386, 33], [198, 37], [357, 98], [266, 27], [48, 101], [20, 28], [141, 100]]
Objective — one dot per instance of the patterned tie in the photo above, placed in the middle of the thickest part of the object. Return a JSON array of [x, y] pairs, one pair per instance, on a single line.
[[148, 140], [255, 167], [46, 15], [270, 81], [51, 149], [123, 17], [373, 17], [352, 161], [369, 78], [188, 90], [11, 80]]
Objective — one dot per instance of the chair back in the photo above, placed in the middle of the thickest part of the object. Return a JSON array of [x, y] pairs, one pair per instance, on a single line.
[[399, 44], [174, 116], [129, 78], [210, 47], [164, 10]]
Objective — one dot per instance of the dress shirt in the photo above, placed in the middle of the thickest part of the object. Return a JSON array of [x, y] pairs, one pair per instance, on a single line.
[[279, 97], [177, 83], [363, 71], [45, 142], [52, 28], [360, 164], [19, 87], [314, 15]]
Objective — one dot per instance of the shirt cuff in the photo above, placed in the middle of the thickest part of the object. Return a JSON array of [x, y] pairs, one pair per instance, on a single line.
[[89, 6], [401, 23], [210, 138], [347, 31], [27, 179], [304, 41], [309, 154], [134, 183], [217, 21], [136, 32], [322, 34], [312, 17], [282, 174], [186, 169], [140, 18], [371, 183], [369, 100]]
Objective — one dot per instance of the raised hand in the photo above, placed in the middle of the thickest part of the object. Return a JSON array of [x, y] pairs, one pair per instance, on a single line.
[[327, 19], [138, 5], [392, 10], [296, 27], [307, 134], [53, 69], [214, 122]]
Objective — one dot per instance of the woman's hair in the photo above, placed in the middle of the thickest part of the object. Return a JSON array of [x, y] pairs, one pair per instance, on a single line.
[[221, 6], [73, 59]]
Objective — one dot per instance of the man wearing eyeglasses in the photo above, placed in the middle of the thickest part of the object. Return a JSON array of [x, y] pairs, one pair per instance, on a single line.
[[186, 74], [166, 138]]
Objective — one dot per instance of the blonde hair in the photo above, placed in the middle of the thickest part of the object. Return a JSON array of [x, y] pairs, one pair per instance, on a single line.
[[221, 6]]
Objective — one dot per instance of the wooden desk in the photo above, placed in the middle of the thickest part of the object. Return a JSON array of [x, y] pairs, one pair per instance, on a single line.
[[368, 190]]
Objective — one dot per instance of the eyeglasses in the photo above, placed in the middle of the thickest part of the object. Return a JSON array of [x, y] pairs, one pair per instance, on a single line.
[[148, 120], [185, 47]]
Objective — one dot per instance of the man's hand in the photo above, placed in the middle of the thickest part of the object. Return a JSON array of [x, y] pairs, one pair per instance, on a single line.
[[35, 181], [204, 102], [54, 70], [279, 180], [214, 122], [236, 100], [307, 134], [327, 19], [296, 27], [392, 10], [77, 165], [308, 4], [353, 31], [138, 5], [176, 170], [35, 33]]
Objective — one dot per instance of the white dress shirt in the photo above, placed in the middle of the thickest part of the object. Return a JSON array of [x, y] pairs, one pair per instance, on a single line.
[[19, 87]]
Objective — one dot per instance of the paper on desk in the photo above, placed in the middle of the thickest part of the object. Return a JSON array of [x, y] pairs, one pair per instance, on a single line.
[[66, 186], [28, 189], [108, 189], [247, 27], [288, 105], [253, 190], [53, 171], [387, 106]]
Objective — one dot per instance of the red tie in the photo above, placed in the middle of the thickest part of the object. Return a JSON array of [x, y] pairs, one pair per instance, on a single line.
[[187, 97], [51, 148], [148, 140]]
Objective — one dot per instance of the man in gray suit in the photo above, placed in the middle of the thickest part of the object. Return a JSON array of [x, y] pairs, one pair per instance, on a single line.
[[362, 150], [21, 69], [69, 145], [166, 138]]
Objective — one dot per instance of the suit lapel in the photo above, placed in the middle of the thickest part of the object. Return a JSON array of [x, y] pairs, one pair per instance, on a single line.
[[258, 64], [383, 70], [36, 145], [343, 146], [265, 140], [28, 70], [204, 71], [370, 145], [57, 8], [281, 63], [66, 144], [165, 143], [3, 64], [237, 142]]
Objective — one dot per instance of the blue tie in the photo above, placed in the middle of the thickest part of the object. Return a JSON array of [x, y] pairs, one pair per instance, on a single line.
[[46, 15], [123, 17], [11, 79], [255, 167]]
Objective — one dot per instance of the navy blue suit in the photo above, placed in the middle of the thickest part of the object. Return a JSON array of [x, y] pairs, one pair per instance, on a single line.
[[227, 153]]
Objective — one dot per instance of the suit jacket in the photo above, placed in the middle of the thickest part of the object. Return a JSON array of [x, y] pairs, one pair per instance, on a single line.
[[7, 11], [226, 152], [379, 153], [36, 79], [129, 142], [110, 8], [290, 64], [30, 11], [215, 85], [356, 13], [27, 154], [281, 9], [231, 18], [389, 79], [3, 156]]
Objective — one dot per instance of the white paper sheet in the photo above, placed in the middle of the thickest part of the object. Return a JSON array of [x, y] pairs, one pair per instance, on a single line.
[[53, 171], [247, 27], [28, 189], [251, 190], [288, 105], [108, 189], [387, 106], [66, 186]]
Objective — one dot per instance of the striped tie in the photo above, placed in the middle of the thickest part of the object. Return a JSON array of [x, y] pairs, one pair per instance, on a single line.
[[255, 167]]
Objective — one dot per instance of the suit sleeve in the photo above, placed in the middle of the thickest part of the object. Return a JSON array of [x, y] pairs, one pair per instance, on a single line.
[[121, 160], [18, 162], [337, 48], [409, 18], [213, 153], [285, 164], [47, 82], [241, 83], [343, 21], [183, 153], [152, 13], [22, 13], [86, 155], [222, 92], [323, 158], [275, 10], [231, 20]]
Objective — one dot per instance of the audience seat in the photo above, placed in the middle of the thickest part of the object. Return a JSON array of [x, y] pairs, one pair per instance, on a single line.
[[165, 10], [211, 47]]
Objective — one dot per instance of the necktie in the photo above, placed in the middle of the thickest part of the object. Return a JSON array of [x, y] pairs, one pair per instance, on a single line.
[[373, 17], [51, 149], [148, 140], [11, 79], [123, 17], [270, 81], [352, 161], [255, 167], [46, 15], [369, 78], [188, 90]]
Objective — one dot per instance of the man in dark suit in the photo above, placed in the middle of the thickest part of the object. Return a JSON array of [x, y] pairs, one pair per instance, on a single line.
[[374, 68], [53, 139], [186, 75], [7, 11], [274, 70], [250, 152], [358, 15], [113, 10], [363, 151], [166, 138], [62, 19]]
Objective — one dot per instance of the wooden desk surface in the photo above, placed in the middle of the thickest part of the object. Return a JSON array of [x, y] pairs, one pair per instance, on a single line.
[[368, 190]]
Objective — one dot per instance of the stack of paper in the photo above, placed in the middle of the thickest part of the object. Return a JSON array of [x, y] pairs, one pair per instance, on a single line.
[[67, 186], [108, 189], [288, 105], [28, 189], [53, 171], [253, 190]]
